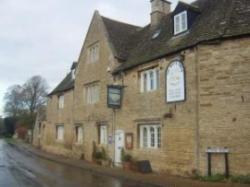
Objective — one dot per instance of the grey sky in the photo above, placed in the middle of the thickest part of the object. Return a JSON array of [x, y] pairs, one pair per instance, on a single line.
[[43, 37]]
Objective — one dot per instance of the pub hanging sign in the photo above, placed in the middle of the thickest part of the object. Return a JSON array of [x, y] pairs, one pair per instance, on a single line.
[[175, 82], [114, 99]]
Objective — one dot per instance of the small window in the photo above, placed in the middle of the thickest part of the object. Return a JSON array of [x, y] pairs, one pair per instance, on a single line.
[[92, 93], [180, 22], [150, 136], [93, 53], [79, 134], [103, 135], [61, 102], [60, 132], [150, 80]]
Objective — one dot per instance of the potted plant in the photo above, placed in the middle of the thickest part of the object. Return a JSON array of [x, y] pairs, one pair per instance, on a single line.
[[126, 160], [105, 160], [99, 156], [96, 155]]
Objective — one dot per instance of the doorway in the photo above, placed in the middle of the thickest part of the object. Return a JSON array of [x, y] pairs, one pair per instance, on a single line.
[[119, 145]]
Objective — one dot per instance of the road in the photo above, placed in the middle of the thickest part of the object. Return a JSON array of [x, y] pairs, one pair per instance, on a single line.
[[22, 169]]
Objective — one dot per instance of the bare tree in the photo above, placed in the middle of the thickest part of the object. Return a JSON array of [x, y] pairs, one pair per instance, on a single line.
[[34, 93], [13, 101], [22, 102]]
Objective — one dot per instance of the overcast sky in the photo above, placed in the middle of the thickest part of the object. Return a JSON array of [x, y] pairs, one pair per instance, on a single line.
[[43, 37]]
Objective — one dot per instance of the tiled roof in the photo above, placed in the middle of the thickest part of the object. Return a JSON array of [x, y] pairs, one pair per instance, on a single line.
[[119, 33], [66, 85], [217, 19]]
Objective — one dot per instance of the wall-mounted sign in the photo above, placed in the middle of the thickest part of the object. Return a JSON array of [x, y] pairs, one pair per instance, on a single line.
[[110, 139], [129, 141], [114, 96], [175, 82]]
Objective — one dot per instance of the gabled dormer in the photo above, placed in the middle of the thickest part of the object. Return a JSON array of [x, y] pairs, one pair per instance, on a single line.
[[183, 17]]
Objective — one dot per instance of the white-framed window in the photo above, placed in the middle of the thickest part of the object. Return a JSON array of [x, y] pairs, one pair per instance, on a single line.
[[61, 102], [180, 22], [93, 53], [103, 133], [60, 132], [150, 136], [92, 93], [149, 80], [79, 134]]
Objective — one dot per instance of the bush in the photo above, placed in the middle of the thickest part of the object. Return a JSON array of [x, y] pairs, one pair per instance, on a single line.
[[213, 178], [245, 179], [99, 154], [125, 157]]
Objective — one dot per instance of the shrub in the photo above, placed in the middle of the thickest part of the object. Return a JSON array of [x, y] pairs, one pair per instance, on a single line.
[[99, 154], [125, 157], [245, 179], [213, 178]]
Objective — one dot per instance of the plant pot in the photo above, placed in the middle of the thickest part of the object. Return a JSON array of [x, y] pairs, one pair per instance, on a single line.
[[97, 161], [127, 166], [134, 166]]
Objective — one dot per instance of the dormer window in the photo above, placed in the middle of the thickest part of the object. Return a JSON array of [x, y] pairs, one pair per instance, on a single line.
[[180, 23]]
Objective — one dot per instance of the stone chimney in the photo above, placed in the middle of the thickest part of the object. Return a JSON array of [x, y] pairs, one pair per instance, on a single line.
[[159, 8]]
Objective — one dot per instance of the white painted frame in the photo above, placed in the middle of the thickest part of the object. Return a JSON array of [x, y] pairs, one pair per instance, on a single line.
[[180, 24]]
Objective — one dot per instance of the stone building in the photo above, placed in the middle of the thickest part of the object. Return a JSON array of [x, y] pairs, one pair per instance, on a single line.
[[185, 84]]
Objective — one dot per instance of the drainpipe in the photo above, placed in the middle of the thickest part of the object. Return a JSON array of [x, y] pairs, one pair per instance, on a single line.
[[197, 129], [113, 134]]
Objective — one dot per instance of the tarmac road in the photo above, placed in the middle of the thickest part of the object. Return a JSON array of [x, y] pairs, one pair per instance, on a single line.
[[22, 169]]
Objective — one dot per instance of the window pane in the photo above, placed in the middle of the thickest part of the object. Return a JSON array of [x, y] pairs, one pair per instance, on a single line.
[[103, 134], [159, 136], [152, 137], [145, 137], [93, 53], [59, 132], [149, 80], [92, 93], [145, 81], [61, 102], [183, 21], [157, 79], [151, 74], [177, 24], [79, 134]]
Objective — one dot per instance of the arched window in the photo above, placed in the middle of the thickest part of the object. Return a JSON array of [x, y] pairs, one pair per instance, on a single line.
[[175, 82]]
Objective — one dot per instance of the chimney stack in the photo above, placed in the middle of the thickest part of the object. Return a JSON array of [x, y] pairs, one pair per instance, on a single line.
[[159, 8]]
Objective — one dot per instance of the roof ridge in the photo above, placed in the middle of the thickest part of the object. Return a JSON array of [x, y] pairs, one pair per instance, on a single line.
[[121, 22]]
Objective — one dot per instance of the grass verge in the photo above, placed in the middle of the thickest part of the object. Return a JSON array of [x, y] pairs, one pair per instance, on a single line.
[[243, 179]]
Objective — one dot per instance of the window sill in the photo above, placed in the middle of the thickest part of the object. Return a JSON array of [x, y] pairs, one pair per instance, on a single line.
[[150, 149], [60, 141], [183, 33], [78, 143], [102, 145], [149, 92]]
